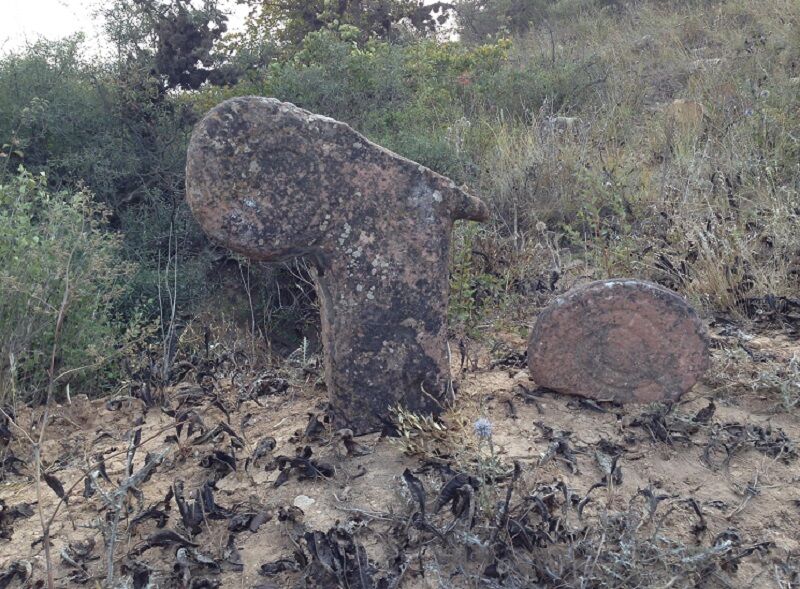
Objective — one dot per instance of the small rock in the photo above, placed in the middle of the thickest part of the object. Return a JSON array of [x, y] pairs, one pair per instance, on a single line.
[[620, 340], [303, 502], [522, 375]]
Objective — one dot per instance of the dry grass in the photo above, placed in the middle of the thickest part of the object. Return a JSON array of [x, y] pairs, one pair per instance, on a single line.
[[702, 195]]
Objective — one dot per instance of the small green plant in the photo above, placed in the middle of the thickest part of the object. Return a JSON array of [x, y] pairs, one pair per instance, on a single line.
[[489, 467], [473, 286], [61, 265], [421, 435], [454, 435]]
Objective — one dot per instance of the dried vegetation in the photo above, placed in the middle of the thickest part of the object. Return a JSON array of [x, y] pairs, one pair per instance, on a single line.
[[224, 477]]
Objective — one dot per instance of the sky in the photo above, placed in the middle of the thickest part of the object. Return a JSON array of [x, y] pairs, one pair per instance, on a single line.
[[26, 21], [23, 21]]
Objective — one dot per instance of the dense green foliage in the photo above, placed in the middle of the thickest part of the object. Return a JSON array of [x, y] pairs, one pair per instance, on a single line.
[[555, 112], [290, 21], [59, 259]]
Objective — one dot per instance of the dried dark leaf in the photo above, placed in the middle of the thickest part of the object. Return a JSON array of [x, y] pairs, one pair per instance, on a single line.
[[160, 516], [220, 404], [278, 566], [205, 497], [232, 556], [55, 485], [162, 538], [19, 569], [417, 491], [283, 477], [322, 553], [450, 491]]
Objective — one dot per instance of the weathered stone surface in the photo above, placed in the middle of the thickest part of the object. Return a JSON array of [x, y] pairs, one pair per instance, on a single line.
[[273, 181], [622, 340]]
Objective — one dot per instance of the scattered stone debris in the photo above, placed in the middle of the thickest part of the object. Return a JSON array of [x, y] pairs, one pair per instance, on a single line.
[[619, 340], [273, 182]]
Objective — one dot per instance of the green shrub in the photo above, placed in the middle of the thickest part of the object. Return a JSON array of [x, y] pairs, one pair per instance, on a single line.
[[57, 253]]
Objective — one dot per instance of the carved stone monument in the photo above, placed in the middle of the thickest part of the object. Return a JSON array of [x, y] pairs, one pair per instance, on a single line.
[[620, 340], [273, 182]]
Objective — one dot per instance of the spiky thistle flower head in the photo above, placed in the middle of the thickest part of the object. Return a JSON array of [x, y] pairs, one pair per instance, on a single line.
[[483, 428]]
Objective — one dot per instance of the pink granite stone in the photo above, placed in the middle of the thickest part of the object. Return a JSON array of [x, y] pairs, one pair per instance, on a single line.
[[621, 340], [273, 181]]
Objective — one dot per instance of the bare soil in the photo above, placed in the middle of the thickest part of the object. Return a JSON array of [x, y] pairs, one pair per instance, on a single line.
[[737, 467]]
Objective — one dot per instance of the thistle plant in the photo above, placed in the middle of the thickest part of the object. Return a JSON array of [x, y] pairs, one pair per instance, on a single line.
[[483, 429]]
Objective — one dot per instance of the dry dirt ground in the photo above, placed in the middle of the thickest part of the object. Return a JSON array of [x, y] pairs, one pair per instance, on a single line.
[[681, 498]]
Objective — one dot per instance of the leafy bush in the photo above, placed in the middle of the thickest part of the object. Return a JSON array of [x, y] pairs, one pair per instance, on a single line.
[[54, 105], [58, 259]]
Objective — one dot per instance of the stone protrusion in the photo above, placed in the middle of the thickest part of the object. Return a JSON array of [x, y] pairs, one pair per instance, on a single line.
[[620, 340], [273, 182]]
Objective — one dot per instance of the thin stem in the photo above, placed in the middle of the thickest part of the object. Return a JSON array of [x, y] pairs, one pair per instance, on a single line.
[[37, 453]]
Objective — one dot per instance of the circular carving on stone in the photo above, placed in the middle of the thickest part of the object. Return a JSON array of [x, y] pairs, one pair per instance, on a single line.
[[621, 340]]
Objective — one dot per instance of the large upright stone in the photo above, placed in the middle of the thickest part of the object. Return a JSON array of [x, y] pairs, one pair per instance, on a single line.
[[621, 340], [274, 182]]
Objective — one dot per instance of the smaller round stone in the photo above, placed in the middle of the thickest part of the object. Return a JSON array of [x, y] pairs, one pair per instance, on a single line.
[[620, 340], [303, 502]]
